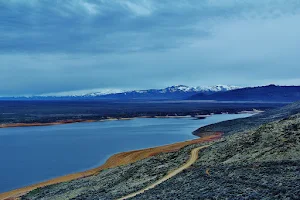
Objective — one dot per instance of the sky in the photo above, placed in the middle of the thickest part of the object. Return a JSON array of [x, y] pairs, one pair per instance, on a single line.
[[59, 46]]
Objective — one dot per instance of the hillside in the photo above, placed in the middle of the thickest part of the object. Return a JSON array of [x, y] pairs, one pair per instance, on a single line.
[[244, 124], [271, 93], [260, 164]]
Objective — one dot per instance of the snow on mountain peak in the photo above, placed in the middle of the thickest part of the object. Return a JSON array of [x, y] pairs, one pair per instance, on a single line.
[[179, 88], [216, 88], [171, 89]]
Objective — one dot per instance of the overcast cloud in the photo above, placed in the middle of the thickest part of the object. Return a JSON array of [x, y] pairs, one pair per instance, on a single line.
[[54, 46]]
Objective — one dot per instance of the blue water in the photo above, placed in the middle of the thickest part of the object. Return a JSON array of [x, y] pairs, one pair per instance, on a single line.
[[30, 155]]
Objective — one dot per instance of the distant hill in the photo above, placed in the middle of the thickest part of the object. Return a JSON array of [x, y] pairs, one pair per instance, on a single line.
[[264, 93], [250, 123]]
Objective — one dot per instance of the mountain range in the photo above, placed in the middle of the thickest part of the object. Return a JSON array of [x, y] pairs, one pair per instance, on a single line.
[[269, 93], [173, 92], [178, 92]]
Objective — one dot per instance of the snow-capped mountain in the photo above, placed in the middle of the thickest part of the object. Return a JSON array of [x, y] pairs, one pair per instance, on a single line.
[[216, 88], [184, 88], [173, 92], [173, 89]]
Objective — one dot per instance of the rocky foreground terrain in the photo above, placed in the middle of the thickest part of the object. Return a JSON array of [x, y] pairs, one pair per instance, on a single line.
[[262, 163], [116, 182]]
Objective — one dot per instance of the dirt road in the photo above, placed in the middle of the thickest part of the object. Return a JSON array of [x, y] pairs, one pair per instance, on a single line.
[[192, 160]]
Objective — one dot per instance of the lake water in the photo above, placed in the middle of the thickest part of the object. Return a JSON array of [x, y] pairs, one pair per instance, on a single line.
[[30, 155]]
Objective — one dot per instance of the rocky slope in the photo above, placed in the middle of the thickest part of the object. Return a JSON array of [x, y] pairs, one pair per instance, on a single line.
[[115, 182], [261, 164]]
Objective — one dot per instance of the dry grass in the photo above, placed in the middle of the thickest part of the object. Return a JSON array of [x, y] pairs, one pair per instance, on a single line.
[[113, 161]]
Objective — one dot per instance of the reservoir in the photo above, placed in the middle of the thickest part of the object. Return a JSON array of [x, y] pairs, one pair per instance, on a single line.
[[30, 155]]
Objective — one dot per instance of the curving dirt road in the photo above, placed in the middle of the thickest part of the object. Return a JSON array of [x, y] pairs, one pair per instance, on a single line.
[[192, 160], [114, 161]]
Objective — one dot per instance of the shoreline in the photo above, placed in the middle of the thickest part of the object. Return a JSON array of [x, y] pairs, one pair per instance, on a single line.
[[61, 122], [15, 125], [115, 160], [71, 121]]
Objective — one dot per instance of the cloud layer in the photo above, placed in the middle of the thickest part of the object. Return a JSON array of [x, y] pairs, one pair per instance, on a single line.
[[55, 46]]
